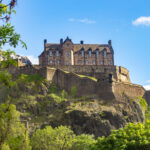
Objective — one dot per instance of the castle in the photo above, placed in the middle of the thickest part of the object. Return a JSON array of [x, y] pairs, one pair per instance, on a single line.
[[68, 53], [88, 67]]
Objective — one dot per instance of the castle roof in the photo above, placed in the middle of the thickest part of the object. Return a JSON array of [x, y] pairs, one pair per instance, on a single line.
[[78, 47]]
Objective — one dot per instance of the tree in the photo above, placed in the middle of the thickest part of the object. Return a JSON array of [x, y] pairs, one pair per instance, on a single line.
[[7, 32], [13, 134], [132, 137], [83, 142], [60, 138]]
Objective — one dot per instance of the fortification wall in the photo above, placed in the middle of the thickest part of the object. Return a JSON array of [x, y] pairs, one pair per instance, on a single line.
[[147, 96], [103, 89], [100, 72], [84, 85], [131, 90]]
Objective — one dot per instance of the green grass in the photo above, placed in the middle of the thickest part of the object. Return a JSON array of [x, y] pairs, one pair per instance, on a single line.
[[83, 76]]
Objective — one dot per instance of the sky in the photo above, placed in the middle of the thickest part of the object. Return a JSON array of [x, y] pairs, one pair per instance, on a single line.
[[125, 22]]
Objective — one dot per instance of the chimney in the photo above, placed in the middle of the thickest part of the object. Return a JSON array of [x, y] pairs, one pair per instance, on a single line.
[[81, 42], [45, 42], [109, 43], [61, 41]]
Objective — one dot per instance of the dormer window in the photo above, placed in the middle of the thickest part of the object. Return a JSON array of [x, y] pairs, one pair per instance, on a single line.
[[90, 53], [105, 54], [57, 53], [50, 53]]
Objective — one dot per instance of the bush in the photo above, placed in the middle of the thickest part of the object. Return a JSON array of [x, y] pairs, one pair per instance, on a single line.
[[132, 137], [74, 91], [83, 142], [64, 94], [60, 138]]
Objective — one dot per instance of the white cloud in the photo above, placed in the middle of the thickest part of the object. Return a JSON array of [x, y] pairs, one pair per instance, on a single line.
[[85, 20], [33, 59], [148, 81], [142, 21], [147, 87]]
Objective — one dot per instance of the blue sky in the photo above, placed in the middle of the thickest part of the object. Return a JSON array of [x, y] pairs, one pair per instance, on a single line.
[[125, 22]]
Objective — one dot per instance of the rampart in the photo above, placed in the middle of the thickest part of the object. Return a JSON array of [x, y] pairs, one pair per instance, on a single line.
[[100, 72], [102, 84]]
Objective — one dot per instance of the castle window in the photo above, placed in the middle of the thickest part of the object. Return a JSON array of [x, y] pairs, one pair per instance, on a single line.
[[58, 61], [90, 53], [105, 54], [67, 63], [79, 61], [93, 62], [86, 62], [51, 61], [109, 62], [97, 53], [82, 53], [68, 54], [101, 62], [50, 53], [57, 53]]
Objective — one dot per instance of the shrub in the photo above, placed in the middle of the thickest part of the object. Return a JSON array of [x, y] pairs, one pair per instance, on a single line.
[[74, 91], [132, 137], [64, 94], [60, 138]]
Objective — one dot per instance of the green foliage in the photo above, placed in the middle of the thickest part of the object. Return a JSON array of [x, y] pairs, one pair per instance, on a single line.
[[132, 137], [83, 142], [147, 113], [8, 60], [74, 91], [6, 79], [143, 104], [13, 134], [56, 98], [53, 88], [64, 94], [60, 138]]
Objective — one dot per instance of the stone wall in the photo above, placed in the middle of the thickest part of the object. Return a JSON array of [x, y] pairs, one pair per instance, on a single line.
[[100, 72], [103, 89], [147, 96], [131, 90]]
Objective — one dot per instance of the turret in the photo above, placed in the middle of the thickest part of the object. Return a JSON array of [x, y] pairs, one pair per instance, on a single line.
[[45, 42], [61, 41], [109, 43], [81, 42]]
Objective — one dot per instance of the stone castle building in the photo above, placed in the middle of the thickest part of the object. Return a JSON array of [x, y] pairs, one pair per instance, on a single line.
[[68, 53]]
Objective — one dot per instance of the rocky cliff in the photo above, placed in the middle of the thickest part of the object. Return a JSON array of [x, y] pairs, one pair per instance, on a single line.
[[44, 104]]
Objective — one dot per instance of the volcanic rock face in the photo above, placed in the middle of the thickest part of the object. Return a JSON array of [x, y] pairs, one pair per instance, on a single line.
[[87, 114]]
